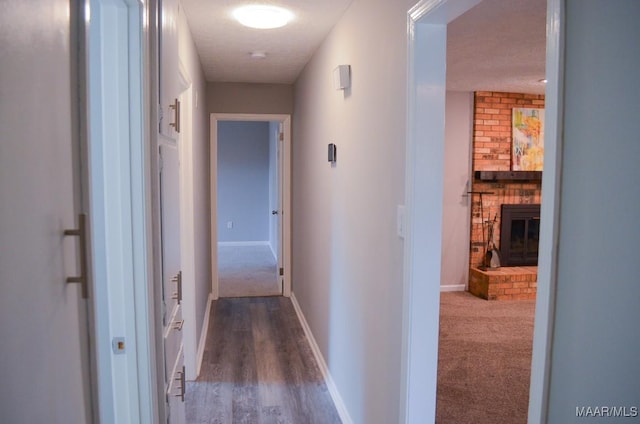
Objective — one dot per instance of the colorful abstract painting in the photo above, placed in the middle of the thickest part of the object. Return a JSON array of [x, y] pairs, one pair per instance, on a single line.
[[528, 139]]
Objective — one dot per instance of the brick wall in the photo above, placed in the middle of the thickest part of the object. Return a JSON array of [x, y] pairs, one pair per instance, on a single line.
[[492, 152]]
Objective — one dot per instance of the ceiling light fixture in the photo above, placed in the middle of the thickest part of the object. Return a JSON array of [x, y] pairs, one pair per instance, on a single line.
[[262, 16]]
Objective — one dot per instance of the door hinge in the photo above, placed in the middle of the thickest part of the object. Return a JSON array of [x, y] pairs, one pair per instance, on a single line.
[[281, 271], [281, 136]]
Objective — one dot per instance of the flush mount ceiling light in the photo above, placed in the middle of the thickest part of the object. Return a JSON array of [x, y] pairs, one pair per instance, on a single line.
[[262, 16]]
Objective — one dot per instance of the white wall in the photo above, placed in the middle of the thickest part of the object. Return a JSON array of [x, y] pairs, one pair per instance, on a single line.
[[243, 181], [456, 201], [233, 97], [347, 257], [200, 169], [595, 358]]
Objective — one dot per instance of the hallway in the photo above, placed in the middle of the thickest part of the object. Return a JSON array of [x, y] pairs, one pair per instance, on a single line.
[[258, 368]]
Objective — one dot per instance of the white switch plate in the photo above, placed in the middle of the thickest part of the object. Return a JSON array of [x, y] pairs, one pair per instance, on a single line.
[[230, 224], [400, 223]]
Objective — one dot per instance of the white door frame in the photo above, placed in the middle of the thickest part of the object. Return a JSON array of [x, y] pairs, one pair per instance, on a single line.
[[285, 194], [549, 215], [427, 22], [120, 286], [426, 85]]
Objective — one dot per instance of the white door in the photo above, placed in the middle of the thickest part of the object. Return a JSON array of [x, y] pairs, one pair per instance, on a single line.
[[169, 68], [172, 282], [44, 354]]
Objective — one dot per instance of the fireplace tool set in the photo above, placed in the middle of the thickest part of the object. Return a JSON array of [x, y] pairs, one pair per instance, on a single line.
[[491, 257]]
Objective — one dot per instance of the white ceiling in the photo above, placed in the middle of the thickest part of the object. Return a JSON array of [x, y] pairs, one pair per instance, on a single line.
[[224, 45], [499, 45]]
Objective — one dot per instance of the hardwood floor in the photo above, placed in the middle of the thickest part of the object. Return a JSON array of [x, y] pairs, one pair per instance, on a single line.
[[258, 368]]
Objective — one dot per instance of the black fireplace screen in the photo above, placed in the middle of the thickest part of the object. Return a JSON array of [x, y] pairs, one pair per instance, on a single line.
[[519, 235]]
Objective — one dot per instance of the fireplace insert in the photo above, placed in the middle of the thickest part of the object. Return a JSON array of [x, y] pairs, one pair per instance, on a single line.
[[519, 235]]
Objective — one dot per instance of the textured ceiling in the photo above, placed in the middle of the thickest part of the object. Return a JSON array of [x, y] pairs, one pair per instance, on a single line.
[[224, 45], [498, 45]]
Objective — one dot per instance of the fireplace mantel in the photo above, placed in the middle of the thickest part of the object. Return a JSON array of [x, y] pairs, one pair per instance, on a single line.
[[508, 175]]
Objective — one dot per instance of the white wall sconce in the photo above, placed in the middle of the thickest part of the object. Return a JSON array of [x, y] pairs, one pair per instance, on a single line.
[[342, 77]]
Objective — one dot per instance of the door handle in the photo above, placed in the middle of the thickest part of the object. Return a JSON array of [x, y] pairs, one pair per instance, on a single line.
[[81, 233], [177, 295], [183, 384], [176, 114], [177, 325], [274, 212]]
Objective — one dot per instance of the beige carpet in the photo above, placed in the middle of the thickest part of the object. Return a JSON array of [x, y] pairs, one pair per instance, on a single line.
[[484, 360], [247, 271]]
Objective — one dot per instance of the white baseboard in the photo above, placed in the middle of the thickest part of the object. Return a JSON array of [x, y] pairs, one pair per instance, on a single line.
[[203, 335], [331, 385], [243, 243], [453, 288], [275, 256]]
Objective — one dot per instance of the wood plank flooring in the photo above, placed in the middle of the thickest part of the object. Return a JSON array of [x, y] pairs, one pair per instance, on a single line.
[[258, 368]]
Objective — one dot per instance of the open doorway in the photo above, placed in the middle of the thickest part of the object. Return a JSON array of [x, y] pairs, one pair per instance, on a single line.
[[425, 150], [248, 208], [486, 334], [250, 222]]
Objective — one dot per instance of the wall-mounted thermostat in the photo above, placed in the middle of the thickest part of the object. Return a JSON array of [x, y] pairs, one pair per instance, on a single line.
[[332, 152]]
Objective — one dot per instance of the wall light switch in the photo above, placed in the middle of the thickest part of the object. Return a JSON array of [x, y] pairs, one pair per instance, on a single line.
[[342, 77], [230, 224]]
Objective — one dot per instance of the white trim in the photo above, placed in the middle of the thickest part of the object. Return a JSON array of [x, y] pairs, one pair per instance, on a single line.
[[285, 195], [213, 199], [550, 216], [426, 90], [203, 335], [452, 288], [118, 207], [322, 365], [243, 243]]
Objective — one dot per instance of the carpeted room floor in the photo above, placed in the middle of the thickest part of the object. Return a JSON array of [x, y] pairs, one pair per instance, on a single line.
[[484, 360], [247, 271]]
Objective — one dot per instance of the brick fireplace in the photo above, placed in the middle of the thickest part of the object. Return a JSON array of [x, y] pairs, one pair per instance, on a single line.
[[492, 173]]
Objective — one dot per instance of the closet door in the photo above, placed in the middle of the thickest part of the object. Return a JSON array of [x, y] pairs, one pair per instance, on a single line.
[[172, 283], [43, 315], [169, 68]]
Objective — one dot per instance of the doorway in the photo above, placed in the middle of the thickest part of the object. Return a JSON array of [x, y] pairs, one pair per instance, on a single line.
[[248, 208], [250, 204], [426, 99]]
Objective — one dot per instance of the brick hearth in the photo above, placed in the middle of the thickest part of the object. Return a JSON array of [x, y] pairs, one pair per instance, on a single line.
[[506, 283]]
